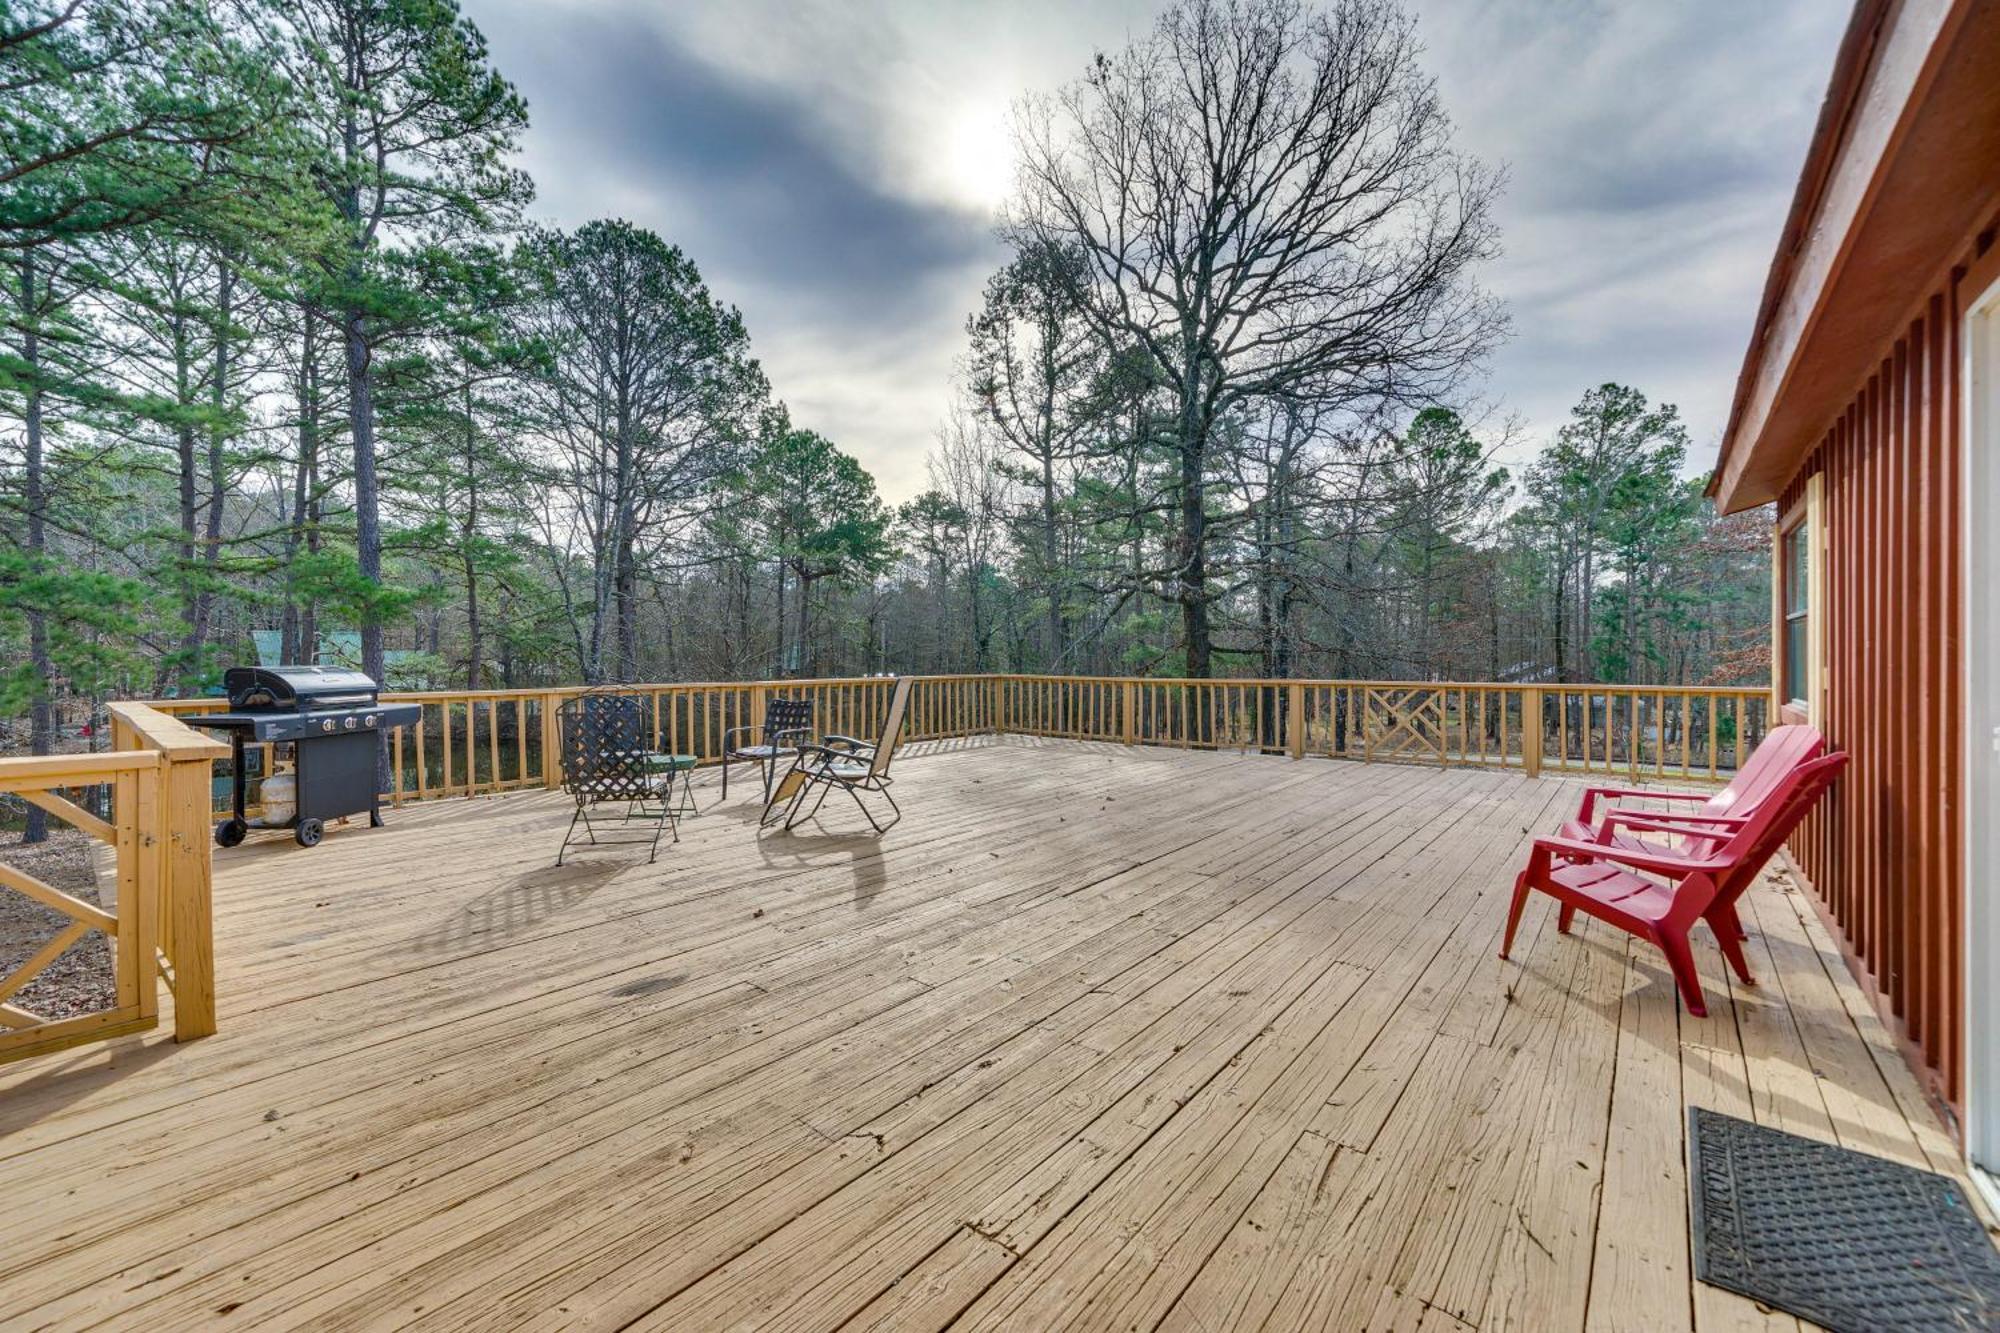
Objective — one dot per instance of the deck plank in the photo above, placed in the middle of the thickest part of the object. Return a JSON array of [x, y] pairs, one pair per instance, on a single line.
[[1097, 1038]]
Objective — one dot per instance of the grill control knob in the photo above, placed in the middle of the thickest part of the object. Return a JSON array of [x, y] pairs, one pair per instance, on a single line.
[[348, 723], [368, 721], [326, 724]]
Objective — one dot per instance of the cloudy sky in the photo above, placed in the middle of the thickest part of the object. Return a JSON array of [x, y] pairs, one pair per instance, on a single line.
[[834, 167]]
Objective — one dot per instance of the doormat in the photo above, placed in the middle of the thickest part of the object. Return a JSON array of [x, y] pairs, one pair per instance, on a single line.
[[1857, 1243]]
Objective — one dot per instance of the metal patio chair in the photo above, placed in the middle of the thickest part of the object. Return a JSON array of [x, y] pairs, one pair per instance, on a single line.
[[846, 764], [606, 760], [787, 724]]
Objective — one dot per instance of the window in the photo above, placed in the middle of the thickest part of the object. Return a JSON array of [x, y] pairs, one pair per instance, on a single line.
[[1795, 565]]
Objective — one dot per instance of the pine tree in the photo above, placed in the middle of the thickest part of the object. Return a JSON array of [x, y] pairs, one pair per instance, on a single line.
[[413, 130]]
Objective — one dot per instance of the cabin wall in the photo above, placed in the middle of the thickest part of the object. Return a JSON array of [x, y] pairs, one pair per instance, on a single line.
[[1884, 854]]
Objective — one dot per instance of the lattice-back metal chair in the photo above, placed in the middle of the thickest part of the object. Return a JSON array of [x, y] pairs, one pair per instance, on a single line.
[[850, 765], [606, 760], [787, 724]]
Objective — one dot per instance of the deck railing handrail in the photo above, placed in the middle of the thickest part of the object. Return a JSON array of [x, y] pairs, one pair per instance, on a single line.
[[177, 707]]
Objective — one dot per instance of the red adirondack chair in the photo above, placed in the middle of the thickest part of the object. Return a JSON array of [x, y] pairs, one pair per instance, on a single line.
[[1783, 750], [1658, 892]]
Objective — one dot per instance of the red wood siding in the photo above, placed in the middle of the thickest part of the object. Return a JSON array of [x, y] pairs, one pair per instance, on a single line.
[[1884, 853]]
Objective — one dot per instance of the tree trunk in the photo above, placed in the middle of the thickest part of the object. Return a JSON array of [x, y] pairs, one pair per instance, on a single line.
[[507, 676], [1267, 610], [309, 609], [1426, 653], [1193, 544], [361, 422], [42, 709], [1344, 641], [210, 556], [807, 662], [784, 663], [1285, 525], [367, 489], [468, 534], [1587, 631], [1560, 589], [1632, 637], [184, 473], [293, 646], [367, 513], [624, 567], [979, 629], [1052, 581], [625, 599], [1493, 648], [361, 391]]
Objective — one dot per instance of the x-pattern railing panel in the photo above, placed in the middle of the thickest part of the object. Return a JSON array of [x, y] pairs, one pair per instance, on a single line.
[[26, 1029], [1405, 723]]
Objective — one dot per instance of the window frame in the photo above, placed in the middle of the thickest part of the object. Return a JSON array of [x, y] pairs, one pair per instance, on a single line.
[[1801, 524]]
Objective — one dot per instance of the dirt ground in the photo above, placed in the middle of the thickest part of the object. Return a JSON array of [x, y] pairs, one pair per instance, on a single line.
[[81, 981]]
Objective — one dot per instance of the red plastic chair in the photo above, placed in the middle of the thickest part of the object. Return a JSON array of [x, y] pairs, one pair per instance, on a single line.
[[1784, 749], [1658, 892]]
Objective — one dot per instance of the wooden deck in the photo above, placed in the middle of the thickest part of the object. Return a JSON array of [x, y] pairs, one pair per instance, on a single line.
[[1096, 1038]]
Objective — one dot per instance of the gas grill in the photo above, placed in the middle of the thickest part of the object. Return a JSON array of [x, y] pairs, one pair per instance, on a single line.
[[331, 722]]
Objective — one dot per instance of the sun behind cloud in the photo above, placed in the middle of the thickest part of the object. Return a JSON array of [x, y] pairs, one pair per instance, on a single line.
[[978, 154]]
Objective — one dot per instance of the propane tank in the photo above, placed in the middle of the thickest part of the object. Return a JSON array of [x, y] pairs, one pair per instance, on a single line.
[[280, 798]]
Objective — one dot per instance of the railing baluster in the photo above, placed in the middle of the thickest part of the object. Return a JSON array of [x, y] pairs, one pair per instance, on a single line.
[[444, 745], [1687, 734], [521, 739]]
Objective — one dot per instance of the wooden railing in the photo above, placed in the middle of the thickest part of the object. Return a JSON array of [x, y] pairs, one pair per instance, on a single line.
[[472, 743], [482, 742], [152, 797], [147, 800], [1660, 732]]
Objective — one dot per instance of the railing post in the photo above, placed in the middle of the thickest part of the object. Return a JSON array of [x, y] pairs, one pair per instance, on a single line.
[[551, 740], [1128, 712], [1295, 720], [163, 839], [1531, 731], [135, 809], [189, 885]]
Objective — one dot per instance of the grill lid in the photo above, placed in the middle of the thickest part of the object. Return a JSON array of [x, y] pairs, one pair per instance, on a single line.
[[297, 687]]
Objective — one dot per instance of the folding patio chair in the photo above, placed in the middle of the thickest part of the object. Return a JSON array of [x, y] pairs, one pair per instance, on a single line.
[[787, 723], [844, 763], [606, 761], [1658, 892]]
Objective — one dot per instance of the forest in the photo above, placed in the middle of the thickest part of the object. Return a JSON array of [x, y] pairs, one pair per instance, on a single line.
[[289, 367]]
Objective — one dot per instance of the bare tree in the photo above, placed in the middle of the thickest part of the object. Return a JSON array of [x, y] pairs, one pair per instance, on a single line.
[[1034, 367], [646, 405], [1270, 208], [965, 472]]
